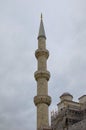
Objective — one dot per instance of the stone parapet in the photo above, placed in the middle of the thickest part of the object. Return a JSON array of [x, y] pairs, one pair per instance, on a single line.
[[42, 74], [42, 52], [42, 99]]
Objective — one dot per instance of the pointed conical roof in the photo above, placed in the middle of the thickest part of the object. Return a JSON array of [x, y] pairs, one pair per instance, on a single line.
[[41, 29]]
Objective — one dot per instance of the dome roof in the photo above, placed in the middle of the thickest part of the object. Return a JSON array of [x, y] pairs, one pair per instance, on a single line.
[[66, 94]]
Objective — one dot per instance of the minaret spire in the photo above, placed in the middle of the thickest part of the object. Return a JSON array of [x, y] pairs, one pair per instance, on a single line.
[[42, 75], [41, 29], [41, 16]]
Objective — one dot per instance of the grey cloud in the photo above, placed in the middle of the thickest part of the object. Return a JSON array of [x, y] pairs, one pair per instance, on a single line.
[[65, 26]]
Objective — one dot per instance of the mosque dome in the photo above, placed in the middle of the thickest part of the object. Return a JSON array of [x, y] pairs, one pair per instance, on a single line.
[[66, 96]]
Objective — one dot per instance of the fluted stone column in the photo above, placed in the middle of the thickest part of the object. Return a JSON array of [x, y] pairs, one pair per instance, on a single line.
[[42, 75]]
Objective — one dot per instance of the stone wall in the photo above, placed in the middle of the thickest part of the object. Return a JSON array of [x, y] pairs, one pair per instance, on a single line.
[[79, 126]]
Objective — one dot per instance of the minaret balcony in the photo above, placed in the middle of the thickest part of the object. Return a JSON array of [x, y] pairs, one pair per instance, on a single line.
[[40, 52], [42, 74], [42, 99]]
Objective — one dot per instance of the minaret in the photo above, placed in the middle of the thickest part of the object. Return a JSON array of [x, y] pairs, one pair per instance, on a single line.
[[42, 100]]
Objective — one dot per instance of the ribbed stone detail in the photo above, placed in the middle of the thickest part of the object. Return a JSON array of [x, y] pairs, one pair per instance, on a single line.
[[42, 99], [39, 52], [42, 74]]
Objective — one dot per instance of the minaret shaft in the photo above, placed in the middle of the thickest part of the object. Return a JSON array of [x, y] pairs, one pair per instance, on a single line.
[[42, 100], [42, 63], [41, 43], [42, 87], [42, 116]]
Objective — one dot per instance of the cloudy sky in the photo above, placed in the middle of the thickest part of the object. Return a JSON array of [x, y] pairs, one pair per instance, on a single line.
[[65, 26]]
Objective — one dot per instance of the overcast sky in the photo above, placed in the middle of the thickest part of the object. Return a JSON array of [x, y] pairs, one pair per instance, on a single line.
[[65, 26]]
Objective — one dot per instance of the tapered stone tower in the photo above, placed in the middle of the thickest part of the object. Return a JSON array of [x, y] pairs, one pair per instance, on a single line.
[[42, 100]]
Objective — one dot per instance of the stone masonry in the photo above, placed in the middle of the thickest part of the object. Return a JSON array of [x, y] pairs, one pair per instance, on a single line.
[[42, 75], [71, 115]]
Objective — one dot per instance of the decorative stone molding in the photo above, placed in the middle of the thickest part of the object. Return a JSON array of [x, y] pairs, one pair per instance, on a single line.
[[42, 74], [40, 52], [42, 99]]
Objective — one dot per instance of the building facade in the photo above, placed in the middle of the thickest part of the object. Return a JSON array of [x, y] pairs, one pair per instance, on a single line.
[[71, 115]]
